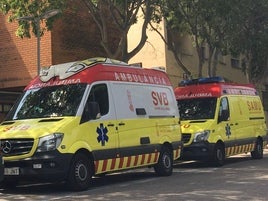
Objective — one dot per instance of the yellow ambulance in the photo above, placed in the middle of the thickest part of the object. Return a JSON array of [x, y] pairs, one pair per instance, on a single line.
[[220, 119], [91, 117]]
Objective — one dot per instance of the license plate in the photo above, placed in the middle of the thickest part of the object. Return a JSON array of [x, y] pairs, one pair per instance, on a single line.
[[12, 171]]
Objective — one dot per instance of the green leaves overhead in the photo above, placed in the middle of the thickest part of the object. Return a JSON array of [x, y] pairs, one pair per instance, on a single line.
[[235, 27], [227, 26], [30, 8]]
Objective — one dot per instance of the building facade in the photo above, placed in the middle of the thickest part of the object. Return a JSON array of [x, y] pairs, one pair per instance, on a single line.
[[74, 39], [71, 39], [156, 54]]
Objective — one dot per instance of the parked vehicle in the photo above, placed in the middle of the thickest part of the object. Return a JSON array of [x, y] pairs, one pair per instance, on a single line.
[[220, 119], [1, 168], [91, 117]]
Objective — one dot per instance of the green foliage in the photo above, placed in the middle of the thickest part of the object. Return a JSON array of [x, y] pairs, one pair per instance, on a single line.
[[31, 8], [228, 26], [231, 27], [121, 14], [249, 36]]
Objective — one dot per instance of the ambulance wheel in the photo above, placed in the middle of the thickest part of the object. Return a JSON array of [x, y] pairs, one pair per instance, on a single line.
[[81, 172], [258, 150], [164, 166], [218, 155]]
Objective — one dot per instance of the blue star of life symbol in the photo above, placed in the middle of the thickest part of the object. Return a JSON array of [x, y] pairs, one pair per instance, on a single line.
[[228, 130], [102, 134]]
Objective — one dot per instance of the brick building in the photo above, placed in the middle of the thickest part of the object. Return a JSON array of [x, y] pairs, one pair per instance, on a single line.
[[75, 39], [71, 39]]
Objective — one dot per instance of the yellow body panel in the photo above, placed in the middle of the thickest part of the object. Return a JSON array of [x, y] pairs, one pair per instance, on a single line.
[[239, 133], [84, 136]]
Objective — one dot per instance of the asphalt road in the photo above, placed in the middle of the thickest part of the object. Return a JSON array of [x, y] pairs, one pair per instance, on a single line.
[[241, 178]]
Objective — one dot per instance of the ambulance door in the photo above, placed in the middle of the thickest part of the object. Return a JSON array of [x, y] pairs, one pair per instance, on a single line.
[[225, 125], [101, 124], [239, 125]]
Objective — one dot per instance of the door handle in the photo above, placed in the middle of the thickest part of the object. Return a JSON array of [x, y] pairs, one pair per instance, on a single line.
[[121, 124], [110, 125], [234, 124]]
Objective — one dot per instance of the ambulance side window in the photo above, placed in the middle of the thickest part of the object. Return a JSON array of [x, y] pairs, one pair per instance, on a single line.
[[97, 103], [224, 112], [99, 94]]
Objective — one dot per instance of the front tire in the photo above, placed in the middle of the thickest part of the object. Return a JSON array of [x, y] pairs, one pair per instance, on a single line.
[[258, 150], [218, 157], [81, 172], [164, 166]]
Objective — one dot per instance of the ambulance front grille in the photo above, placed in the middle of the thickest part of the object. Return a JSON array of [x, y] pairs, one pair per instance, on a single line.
[[15, 147], [186, 137]]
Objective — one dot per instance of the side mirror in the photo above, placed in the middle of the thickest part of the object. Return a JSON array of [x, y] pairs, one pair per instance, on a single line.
[[91, 111], [94, 110], [224, 116]]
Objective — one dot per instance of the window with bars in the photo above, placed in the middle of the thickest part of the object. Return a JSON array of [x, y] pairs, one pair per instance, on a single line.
[[4, 108], [235, 63]]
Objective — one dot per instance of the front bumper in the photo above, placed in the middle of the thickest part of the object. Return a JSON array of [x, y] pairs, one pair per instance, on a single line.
[[47, 166], [201, 151]]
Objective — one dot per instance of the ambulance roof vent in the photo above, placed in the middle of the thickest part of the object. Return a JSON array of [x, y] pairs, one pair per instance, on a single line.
[[114, 61], [207, 80], [79, 65], [68, 69]]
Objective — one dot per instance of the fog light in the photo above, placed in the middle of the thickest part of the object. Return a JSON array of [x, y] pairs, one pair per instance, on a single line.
[[52, 164], [37, 166]]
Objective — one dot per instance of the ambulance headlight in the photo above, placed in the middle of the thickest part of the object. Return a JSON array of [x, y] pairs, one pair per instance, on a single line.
[[201, 136], [49, 142]]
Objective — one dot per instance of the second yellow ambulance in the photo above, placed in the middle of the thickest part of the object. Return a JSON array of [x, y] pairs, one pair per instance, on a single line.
[[91, 117], [220, 119]]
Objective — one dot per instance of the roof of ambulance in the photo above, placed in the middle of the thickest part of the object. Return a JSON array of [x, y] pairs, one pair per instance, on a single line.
[[212, 87], [97, 69]]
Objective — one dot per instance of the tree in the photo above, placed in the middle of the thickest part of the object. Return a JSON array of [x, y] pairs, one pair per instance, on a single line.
[[163, 11], [124, 15], [185, 17], [249, 36], [216, 22], [227, 27], [34, 8], [203, 21], [121, 13]]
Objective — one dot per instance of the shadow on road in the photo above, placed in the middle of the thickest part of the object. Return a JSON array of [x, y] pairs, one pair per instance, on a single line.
[[122, 177], [58, 188], [200, 164], [229, 161]]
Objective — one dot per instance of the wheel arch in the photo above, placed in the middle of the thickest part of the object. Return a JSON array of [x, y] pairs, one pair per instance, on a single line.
[[168, 145], [87, 153], [259, 138], [220, 142]]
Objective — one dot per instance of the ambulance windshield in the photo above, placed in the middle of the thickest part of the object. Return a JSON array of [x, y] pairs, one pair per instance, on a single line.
[[197, 108], [53, 101]]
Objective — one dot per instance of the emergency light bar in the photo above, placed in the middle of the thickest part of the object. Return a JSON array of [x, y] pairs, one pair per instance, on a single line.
[[206, 80]]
